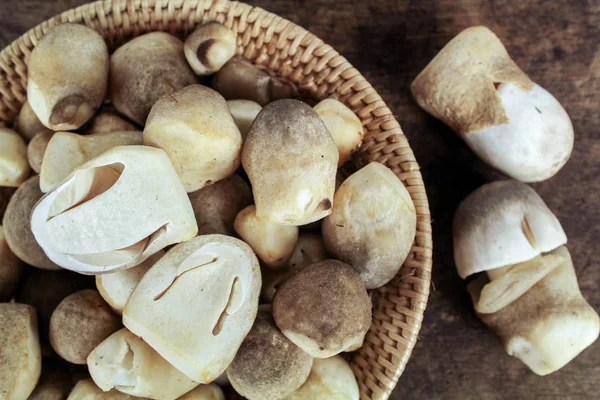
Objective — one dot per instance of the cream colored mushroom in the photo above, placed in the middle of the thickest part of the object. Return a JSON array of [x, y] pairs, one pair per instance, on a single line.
[[19, 351], [68, 76], [198, 133], [244, 113], [373, 224], [127, 363], [106, 122], [204, 392], [145, 69], [66, 151], [323, 308], [116, 287], [268, 366], [209, 47], [357, 344], [28, 124], [36, 149], [11, 269], [513, 124], [291, 161], [239, 79], [331, 379], [17, 229], [86, 389], [272, 243], [114, 212], [343, 125], [14, 168]]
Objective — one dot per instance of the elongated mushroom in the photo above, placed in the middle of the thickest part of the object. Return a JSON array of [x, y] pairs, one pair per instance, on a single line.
[[68, 76], [37, 148], [291, 161], [513, 124], [106, 122], [244, 113], [28, 124], [209, 47], [196, 305], [114, 212], [14, 168], [11, 269]]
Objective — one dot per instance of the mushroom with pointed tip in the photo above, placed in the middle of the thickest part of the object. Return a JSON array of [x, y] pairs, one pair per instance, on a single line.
[[21, 364], [244, 113], [291, 161], [11, 269], [37, 148], [106, 122], [513, 124], [114, 211], [196, 130], [145, 69], [14, 168], [68, 76], [209, 47], [197, 304], [28, 124]]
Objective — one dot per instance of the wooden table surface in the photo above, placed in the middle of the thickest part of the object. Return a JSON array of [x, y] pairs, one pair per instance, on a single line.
[[557, 43]]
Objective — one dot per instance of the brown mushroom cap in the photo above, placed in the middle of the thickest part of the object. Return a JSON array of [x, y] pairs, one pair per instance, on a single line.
[[109, 122], [36, 149], [209, 47], [28, 124], [323, 309], [10, 269], [80, 323]]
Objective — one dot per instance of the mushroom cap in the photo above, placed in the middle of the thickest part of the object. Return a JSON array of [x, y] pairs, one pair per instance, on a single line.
[[14, 168], [502, 223], [244, 113], [106, 122], [323, 309], [21, 364], [27, 123], [268, 366], [196, 304], [126, 363], [11, 269], [37, 148], [85, 389], [534, 144], [81, 322], [209, 47], [373, 224], [291, 161], [204, 392]]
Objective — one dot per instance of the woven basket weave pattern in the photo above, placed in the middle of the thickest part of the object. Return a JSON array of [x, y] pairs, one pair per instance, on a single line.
[[291, 53]]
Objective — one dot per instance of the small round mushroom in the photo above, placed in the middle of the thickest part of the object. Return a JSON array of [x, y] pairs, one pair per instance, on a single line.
[[373, 224], [13, 158], [330, 378], [21, 360], [216, 206], [127, 363], [239, 79], [244, 113], [194, 127], [204, 392], [11, 269], [106, 122], [79, 324], [36, 149], [85, 389], [17, 228], [272, 243], [268, 366], [323, 308], [343, 125], [291, 161], [28, 124], [209, 47], [68, 75], [55, 381], [145, 69]]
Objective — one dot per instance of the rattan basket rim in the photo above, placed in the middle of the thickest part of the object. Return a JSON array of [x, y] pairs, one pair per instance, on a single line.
[[292, 53]]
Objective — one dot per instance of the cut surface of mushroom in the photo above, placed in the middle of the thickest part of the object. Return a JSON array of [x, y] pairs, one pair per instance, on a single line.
[[209, 47], [68, 76], [28, 124], [196, 304], [106, 122], [21, 364], [126, 363], [114, 212], [14, 167], [243, 112], [11, 269]]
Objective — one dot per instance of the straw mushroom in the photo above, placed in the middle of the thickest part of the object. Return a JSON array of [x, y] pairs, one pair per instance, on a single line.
[[239, 79], [114, 211], [28, 124], [86, 389], [197, 304], [11, 269], [145, 69], [68, 76], [204, 392], [67, 151], [291, 161], [106, 122], [127, 363], [343, 125], [216, 206], [36, 149], [331, 379], [244, 113], [513, 124], [17, 229], [268, 366], [14, 168], [209, 47], [19, 351], [55, 381], [323, 308], [196, 130], [373, 224]]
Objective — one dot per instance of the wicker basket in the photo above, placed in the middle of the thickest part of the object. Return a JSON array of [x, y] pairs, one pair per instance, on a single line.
[[289, 52]]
